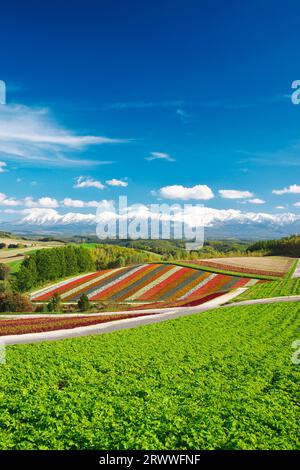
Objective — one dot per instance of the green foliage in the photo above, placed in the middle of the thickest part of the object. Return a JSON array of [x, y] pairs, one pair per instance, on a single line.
[[5, 234], [14, 266], [288, 246], [14, 302], [83, 303], [4, 272], [54, 305], [169, 250], [47, 265], [218, 380], [5, 287], [271, 289], [112, 256]]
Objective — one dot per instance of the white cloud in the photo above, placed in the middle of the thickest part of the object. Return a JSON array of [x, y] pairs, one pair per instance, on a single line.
[[87, 182], [5, 201], [48, 202], [3, 166], [68, 202], [292, 189], [177, 191], [12, 211], [104, 204], [297, 204], [160, 156], [45, 201], [29, 201], [280, 207], [32, 135], [180, 112], [256, 200], [115, 182], [234, 194]]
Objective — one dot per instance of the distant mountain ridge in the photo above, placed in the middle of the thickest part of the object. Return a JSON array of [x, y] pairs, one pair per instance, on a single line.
[[254, 230]]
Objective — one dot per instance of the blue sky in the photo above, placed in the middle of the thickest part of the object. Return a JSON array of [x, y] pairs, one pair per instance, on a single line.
[[143, 96]]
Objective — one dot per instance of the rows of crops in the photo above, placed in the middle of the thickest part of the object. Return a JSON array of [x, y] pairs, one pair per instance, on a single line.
[[218, 380], [271, 289], [143, 283], [271, 266], [40, 324]]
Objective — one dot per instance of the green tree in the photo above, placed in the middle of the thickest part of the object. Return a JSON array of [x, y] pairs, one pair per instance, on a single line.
[[4, 272], [83, 303], [14, 302], [5, 287], [54, 304]]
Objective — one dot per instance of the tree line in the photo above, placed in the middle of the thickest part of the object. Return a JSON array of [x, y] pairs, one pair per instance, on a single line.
[[288, 246], [113, 256], [48, 265]]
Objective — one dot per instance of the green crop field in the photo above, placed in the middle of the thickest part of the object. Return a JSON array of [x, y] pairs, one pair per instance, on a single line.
[[271, 289], [14, 266], [223, 379]]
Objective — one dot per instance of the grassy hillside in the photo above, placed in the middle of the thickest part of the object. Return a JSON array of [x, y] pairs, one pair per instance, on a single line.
[[218, 380]]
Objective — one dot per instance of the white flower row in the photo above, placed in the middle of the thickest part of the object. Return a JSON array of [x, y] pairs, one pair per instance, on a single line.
[[55, 286], [115, 281], [85, 285], [149, 286], [194, 289]]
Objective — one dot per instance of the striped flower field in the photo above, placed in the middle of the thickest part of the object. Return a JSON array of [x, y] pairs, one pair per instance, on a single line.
[[145, 284]]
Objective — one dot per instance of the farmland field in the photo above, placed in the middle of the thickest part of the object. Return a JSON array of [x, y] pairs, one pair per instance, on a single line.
[[14, 256], [144, 283], [277, 266], [37, 325], [218, 380], [271, 289]]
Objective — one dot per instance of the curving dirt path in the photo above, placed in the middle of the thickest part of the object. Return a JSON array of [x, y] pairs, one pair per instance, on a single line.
[[159, 315]]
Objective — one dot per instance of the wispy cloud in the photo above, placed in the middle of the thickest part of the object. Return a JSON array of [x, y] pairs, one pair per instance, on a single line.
[[32, 135], [87, 182], [256, 200], [3, 166], [288, 156], [7, 201], [116, 182], [235, 194], [142, 105], [160, 156], [104, 204], [292, 189]]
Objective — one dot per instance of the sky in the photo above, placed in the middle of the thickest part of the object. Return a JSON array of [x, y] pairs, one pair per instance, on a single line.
[[181, 101]]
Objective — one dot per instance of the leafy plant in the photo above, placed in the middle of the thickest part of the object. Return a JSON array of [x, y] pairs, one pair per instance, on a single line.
[[83, 303], [218, 380]]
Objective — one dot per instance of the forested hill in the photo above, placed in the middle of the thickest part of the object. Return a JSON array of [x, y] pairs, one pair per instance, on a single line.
[[46, 265], [288, 246]]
